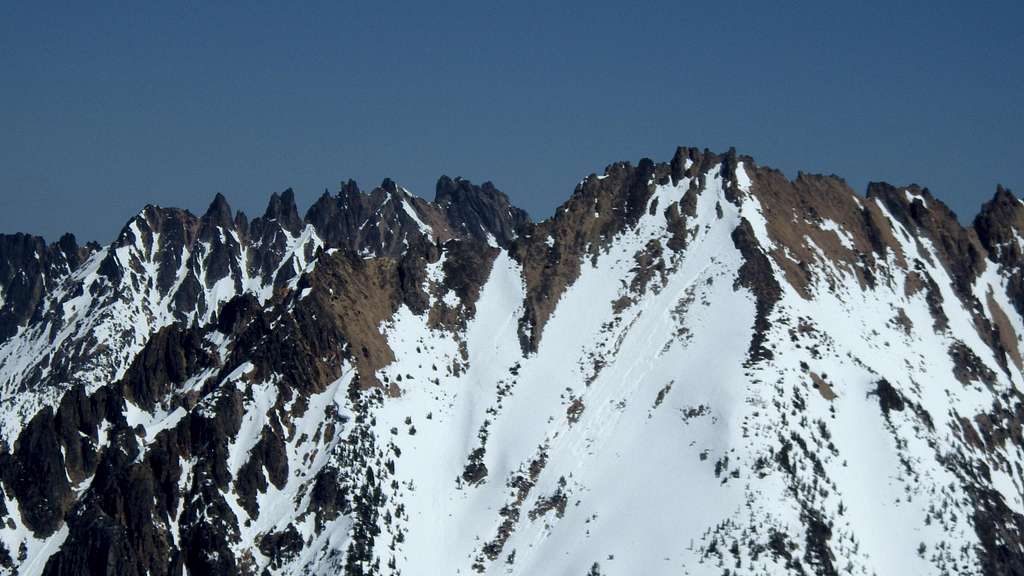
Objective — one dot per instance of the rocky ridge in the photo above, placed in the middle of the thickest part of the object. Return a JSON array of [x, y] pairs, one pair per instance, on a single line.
[[697, 366]]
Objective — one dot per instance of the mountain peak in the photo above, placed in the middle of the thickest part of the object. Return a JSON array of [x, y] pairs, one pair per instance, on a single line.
[[478, 210], [348, 188], [999, 224], [282, 208], [219, 212], [389, 186], [1004, 194]]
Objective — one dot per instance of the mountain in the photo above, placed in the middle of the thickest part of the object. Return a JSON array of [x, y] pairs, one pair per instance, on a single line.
[[692, 367]]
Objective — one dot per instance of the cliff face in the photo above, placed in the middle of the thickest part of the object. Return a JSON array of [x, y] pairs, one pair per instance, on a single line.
[[697, 366]]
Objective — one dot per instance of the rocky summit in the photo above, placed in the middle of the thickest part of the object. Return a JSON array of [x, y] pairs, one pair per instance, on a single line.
[[693, 367]]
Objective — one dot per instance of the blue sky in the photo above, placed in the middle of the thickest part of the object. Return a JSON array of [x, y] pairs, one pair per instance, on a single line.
[[105, 107]]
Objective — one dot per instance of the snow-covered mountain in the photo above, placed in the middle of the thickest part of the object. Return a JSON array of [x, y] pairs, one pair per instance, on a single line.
[[694, 367]]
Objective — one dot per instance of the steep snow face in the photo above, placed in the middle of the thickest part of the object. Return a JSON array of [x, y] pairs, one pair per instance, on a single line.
[[579, 439], [740, 374]]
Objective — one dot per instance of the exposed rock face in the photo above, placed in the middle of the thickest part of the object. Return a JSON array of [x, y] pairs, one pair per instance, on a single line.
[[28, 269], [998, 227], [698, 366], [553, 251], [479, 211], [379, 222]]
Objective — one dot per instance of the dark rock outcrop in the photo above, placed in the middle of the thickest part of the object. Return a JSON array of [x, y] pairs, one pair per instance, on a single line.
[[478, 211], [29, 270]]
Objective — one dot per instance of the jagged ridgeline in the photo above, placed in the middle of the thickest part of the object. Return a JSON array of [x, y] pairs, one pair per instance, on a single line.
[[693, 367]]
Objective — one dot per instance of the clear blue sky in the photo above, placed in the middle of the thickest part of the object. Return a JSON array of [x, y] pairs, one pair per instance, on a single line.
[[107, 107]]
